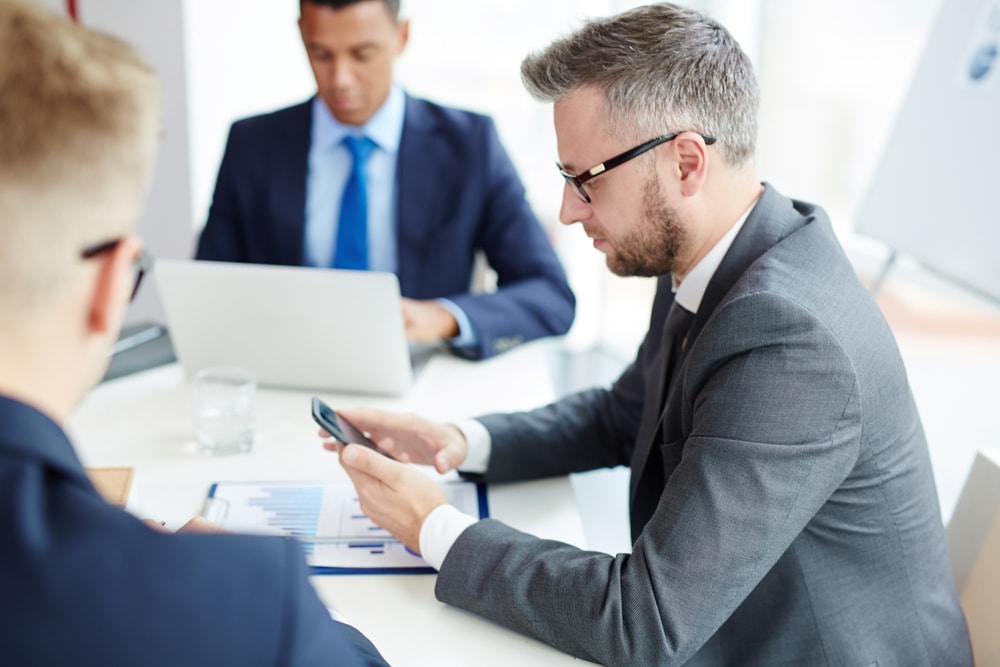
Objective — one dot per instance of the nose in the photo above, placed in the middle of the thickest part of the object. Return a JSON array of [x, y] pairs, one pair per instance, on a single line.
[[573, 208], [342, 73]]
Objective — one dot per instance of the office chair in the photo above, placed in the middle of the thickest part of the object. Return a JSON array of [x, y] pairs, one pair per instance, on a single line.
[[974, 544]]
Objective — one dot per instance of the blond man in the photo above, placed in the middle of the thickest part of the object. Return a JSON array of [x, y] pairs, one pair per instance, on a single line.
[[82, 582]]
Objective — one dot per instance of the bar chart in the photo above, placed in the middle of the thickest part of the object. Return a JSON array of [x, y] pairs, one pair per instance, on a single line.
[[326, 518]]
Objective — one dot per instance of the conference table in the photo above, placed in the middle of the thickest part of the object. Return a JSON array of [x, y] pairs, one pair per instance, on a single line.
[[144, 421]]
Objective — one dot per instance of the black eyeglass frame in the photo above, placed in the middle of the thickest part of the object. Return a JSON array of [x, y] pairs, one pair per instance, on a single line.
[[579, 179], [143, 263]]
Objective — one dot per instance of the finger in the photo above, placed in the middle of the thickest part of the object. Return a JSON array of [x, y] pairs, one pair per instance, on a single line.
[[201, 525], [367, 419], [409, 320], [453, 452], [387, 445], [370, 416], [369, 462], [443, 463], [362, 481], [158, 526]]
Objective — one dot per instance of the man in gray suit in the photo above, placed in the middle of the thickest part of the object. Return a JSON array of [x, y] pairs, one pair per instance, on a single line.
[[782, 503]]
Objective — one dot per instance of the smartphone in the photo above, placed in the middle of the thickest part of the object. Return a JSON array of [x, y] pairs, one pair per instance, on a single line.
[[341, 429]]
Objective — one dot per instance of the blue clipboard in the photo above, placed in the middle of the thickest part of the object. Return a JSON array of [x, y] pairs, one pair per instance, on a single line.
[[300, 518]]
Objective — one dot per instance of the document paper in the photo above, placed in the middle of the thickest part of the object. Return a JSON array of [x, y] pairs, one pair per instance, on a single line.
[[326, 517]]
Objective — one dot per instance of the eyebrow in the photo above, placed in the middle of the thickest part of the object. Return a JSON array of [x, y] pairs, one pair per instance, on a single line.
[[567, 167], [313, 44]]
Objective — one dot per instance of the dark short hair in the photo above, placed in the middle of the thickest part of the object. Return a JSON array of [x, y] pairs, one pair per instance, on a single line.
[[391, 5]]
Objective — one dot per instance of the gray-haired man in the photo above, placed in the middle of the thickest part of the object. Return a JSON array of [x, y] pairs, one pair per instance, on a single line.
[[782, 504]]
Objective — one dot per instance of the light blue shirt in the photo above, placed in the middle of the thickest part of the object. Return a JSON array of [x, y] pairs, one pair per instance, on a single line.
[[329, 167]]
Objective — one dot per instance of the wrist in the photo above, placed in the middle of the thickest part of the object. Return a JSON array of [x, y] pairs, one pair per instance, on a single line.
[[476, 447], [447, 324], [440, 530]]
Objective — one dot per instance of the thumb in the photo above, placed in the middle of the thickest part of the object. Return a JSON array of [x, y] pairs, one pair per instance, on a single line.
[[367, 461]]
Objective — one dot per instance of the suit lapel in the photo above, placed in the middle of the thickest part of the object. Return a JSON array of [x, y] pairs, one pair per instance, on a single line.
[[647, 463], [288, 173], [417, 168], [772, 219]]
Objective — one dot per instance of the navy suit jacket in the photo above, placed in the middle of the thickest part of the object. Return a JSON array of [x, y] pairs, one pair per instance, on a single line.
[[458, 193], [84, 583]]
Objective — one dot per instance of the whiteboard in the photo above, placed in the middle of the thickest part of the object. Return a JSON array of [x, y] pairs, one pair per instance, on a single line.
[[936, 193]]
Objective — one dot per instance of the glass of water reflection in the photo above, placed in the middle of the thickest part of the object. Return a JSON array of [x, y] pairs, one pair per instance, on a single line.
[[223, 409]]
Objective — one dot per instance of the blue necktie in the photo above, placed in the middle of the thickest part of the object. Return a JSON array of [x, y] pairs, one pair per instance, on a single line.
[[351, 251]]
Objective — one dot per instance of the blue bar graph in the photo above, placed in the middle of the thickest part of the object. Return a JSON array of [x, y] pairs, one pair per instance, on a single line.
[[294, 511], [327, 520]]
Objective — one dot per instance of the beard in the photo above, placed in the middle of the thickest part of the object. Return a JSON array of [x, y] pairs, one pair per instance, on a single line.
[[651, 248]]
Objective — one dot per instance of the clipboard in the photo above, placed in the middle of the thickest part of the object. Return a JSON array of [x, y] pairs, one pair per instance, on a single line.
[[326, 518]]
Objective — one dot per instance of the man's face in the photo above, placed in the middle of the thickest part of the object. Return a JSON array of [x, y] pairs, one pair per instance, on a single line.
[[351, 52], [628, 217]]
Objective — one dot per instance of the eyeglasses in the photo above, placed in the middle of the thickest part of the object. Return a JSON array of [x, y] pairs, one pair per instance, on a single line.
[[143, 263], [579, 179]]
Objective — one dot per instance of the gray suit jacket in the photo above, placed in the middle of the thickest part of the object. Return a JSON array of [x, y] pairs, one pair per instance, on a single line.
[[782, 502]]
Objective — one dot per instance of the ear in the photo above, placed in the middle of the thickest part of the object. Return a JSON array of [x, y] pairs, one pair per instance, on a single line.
[[692, 162], [403, 35], [111, 289]]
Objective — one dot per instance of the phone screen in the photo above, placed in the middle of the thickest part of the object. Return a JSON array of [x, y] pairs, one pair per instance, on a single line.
[[340, 428]]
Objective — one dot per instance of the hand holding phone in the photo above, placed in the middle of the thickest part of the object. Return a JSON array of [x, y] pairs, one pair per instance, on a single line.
[[342, 430]]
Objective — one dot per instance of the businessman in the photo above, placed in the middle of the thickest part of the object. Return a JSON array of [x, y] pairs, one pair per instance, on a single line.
[[81, 582], [364, 176], [782, 505]]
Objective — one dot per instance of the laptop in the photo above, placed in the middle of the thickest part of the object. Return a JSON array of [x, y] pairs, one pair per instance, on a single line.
[[293, 327]]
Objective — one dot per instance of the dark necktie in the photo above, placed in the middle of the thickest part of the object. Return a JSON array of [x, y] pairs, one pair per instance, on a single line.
[[351, 251], [647, 462], [675, 330]]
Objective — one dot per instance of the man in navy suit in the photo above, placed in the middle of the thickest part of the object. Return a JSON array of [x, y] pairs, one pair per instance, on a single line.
[[82, 582], [440, 187]]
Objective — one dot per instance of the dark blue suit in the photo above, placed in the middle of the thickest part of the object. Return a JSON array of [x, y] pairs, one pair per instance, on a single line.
[[458, 193], [84, 583]]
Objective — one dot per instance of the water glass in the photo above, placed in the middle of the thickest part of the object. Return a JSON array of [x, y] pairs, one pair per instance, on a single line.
[[223, 409]]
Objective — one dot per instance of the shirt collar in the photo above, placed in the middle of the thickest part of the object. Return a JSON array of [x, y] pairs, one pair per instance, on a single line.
[[691, 290], [384, 128]]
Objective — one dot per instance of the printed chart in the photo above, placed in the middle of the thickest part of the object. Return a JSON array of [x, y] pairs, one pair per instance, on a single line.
[[326, 517]]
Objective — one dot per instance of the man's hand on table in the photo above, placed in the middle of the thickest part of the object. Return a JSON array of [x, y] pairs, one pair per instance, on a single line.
[[428, 321]]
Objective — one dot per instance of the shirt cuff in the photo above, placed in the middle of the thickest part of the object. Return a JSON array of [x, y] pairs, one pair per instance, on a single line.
[[466, 334], [477, 459], [440, 530]]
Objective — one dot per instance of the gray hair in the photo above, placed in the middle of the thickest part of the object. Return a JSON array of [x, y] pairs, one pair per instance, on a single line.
[[662, 68]]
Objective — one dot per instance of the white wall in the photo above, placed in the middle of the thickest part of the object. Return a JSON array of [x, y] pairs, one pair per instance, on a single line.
[[832, 74], [243, 58], [155, 29]]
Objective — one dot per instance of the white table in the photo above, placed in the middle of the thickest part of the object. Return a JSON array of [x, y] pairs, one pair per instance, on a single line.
[[144, 421]]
